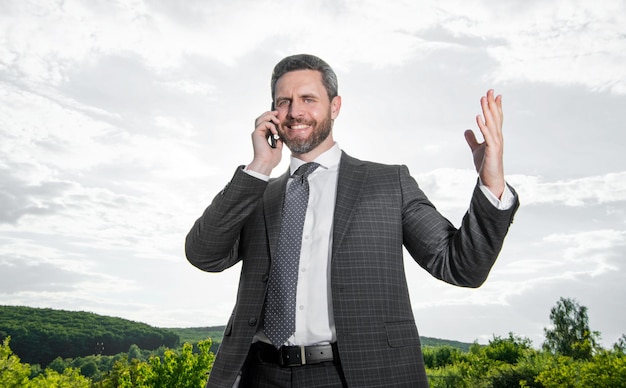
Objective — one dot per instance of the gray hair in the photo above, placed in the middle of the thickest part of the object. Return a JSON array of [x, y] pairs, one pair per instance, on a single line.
[[306, 62]]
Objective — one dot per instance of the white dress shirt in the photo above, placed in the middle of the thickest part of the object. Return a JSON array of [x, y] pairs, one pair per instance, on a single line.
[[314, 319]]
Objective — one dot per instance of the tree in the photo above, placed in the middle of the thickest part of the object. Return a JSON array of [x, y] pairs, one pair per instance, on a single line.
[[12, 372], [174, 369], [620, 345], [570, 335], [58, 365], [70, 378], [41, 335], [605, 369], [134, 353], [15, 374], [508, 350], [185, 369], [439, 356]]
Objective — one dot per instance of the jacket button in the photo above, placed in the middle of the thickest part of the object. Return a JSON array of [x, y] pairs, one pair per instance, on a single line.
[[265, 278], [252, 321]]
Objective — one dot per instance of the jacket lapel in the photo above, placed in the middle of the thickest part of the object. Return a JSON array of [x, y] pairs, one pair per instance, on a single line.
[[350, 183], [273, 199]]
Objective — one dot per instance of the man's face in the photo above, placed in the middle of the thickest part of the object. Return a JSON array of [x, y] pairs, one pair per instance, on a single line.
[[306, 115]]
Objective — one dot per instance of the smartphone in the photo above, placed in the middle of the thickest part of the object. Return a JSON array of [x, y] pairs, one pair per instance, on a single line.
[[272, 138]]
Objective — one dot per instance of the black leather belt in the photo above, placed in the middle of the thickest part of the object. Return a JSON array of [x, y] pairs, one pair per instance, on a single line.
[[289, 356]]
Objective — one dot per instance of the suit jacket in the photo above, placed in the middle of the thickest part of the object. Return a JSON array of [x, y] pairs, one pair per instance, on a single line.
[[379, 209]]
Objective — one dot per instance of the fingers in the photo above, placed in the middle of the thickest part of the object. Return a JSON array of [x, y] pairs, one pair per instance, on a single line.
[[490, 124], [492, 109], [266, 155], [470, 137], [267, 123], [267, 117]]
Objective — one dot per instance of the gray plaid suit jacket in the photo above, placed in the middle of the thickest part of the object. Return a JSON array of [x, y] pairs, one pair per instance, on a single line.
[[379, 208]]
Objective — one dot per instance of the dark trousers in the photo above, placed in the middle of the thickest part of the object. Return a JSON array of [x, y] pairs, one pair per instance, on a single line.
[[267, 375]]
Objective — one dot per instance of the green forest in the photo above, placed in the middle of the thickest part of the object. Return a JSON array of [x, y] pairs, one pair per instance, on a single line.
[[41, 335], [53, 348]]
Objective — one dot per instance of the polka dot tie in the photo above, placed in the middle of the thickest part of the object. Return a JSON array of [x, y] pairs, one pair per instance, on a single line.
[[280, 305]]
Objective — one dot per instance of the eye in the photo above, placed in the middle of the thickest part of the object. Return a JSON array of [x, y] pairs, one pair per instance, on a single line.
[[283, 103]]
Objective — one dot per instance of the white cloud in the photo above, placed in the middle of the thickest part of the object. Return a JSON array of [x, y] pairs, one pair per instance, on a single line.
[[604, 189], [559, 42], [55, 138], [591, 251]]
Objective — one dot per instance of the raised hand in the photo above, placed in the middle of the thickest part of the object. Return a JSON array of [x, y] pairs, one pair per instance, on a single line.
[[488, 155]]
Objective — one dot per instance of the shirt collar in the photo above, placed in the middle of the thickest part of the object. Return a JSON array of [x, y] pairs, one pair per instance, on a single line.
[[328, 160]]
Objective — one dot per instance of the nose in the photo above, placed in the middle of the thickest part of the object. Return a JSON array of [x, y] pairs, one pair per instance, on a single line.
[[295, 109]]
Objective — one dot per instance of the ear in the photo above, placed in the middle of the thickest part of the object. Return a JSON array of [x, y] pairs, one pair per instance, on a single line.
[[335, 107]]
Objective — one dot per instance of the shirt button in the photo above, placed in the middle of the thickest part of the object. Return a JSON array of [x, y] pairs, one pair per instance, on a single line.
[[301, 307]]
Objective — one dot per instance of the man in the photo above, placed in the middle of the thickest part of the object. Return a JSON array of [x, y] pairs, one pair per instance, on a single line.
[[345, 304]]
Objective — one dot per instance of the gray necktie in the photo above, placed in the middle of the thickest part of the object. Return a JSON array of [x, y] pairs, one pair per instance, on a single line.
[[280, 305]]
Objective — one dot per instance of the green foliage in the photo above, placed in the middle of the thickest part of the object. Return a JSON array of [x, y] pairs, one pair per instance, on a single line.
[[620, 345], [451, 376], [134, 353], [505, 362], [194, 335], [605, 369], [570, 335], [512, 362], [436, 342], [500, 364], [70, 378], [175, 369], [508, 350], [12, 372], [41, 335], [187, 368], [184, 370], [59, 365], [440, 356], [15, 374]]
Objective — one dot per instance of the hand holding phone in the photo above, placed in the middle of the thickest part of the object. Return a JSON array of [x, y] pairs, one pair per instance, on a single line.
[[265, 143]]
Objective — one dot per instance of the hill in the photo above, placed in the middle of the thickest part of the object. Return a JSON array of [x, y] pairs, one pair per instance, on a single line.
[[38, 336], [434, 342], [194, 334]]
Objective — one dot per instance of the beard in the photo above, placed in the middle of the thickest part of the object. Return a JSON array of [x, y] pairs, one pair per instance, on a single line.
[[303, 145]]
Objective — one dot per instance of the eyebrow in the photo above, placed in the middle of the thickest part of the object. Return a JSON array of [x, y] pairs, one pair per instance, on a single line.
[[304, 96]]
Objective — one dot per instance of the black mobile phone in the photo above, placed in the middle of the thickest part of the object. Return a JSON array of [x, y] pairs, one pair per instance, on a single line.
[[272, 138]]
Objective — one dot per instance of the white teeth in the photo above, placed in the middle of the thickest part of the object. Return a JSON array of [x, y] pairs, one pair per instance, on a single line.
[[299, 126]]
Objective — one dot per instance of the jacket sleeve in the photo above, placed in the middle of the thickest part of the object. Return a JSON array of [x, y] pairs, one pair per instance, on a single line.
[[462, 256], [213, 241]]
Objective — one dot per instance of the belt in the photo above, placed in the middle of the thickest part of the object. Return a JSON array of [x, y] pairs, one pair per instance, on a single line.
[[288, 356]]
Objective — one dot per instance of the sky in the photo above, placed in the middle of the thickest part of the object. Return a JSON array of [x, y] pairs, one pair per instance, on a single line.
[[121, 120]]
